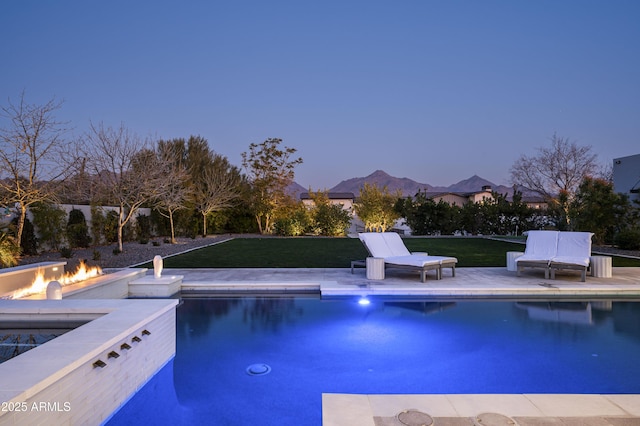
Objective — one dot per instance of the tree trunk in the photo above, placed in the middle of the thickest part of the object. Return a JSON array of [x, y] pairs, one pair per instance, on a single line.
[[173, 234], [120, 227], [21, 219], [259, 220], [204, 225]]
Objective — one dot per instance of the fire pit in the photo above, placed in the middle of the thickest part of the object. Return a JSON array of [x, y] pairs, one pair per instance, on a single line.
[[30, 282]]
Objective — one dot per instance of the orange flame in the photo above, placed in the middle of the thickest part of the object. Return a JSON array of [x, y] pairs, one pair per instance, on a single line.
[[39, 285]]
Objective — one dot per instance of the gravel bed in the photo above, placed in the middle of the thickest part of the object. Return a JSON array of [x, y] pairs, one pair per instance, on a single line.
[[133, 253]]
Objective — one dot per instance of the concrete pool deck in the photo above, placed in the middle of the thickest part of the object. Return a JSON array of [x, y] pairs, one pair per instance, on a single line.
[[468, 283], [484, 283]]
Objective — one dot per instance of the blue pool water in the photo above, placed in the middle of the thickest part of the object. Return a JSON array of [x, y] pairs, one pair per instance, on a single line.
[[318, 346]]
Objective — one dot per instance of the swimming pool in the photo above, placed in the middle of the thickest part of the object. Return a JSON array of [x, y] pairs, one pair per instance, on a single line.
[[314, 346]]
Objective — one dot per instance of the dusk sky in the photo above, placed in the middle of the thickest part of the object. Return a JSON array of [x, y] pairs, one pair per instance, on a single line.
[[435, 91]]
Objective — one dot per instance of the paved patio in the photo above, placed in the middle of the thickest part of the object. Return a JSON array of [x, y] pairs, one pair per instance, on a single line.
[[485, 409], [468, 282]]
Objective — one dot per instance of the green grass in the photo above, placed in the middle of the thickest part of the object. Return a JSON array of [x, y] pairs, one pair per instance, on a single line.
[[273, 253], [303, 252]]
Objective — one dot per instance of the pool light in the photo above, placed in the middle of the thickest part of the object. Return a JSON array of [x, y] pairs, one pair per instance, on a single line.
[[363, 301]]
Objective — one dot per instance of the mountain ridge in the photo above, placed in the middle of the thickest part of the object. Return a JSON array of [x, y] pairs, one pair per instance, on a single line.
[[409, 187]]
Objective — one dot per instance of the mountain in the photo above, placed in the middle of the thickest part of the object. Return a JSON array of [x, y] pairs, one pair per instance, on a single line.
[[476, 183], [410, 187], [381, 178], [294, 189]]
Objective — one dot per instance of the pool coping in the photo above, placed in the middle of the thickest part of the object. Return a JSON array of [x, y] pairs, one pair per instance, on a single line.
[[468, 283], [363, 409]]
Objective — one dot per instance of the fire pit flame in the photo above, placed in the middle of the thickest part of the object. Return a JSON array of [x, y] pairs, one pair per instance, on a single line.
[[39, 285]]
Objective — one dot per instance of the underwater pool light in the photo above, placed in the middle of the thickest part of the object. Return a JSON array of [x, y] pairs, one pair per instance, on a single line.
[[363, 301]]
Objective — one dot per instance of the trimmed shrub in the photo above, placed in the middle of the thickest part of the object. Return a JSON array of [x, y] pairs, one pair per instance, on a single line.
[[331, 220], [143, 227], [77, 230], [9, 251], [628, 239], [49, 220], [110, 230], [29, 243], [66, 252]]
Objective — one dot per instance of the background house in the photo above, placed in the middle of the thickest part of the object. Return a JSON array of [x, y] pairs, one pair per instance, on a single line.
[[626, 176], [344, 199]]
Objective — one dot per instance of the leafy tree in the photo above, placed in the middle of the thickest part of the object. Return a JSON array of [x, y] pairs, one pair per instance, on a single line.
[[520, 216], [376, 207], [328, 219], [270, 170], [293, 220], [33, 160], [556, 172], [426, 217], [213, 184], [628, 239], [50, 222], [472, 218], [599, 209]]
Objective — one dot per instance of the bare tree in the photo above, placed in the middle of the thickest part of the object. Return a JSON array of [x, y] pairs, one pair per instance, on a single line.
[[558, 168], [556, 172], [127, 173], [172, 190], [218, 188], [33, 156]]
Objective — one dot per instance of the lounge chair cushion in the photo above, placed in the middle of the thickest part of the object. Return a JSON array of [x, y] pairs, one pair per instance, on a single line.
[[375, 243], [413, 260], [395, 244], [541, 246], [574, 248]]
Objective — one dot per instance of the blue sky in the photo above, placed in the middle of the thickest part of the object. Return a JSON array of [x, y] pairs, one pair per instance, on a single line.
[[435, 91]]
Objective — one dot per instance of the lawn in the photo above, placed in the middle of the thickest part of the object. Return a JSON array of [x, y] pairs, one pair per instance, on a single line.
[[310, 252]]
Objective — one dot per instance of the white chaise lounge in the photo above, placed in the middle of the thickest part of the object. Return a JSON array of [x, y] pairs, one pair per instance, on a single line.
[[541, 247], [390, 247], [555, 250], [574, 252]]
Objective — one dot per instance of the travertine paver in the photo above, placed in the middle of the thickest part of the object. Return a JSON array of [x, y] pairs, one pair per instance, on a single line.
[[468, 282]]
